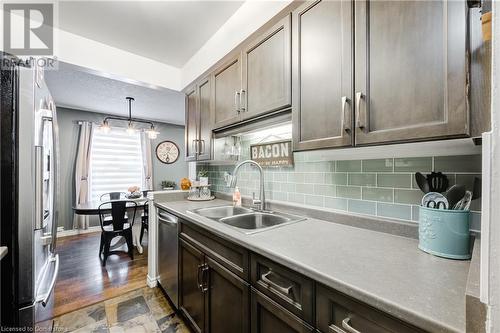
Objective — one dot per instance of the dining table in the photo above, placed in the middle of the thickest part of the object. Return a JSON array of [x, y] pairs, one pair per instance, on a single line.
[[92, 208]]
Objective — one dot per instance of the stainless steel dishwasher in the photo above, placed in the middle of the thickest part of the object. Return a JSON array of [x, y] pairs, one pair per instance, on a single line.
[[168, 243]]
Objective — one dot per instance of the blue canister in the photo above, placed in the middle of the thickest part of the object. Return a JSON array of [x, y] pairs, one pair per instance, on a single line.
[[444, 232]]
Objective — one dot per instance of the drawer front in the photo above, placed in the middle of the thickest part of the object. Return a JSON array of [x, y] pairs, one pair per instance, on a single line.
[[338, 313], [232, 257], [290, 289], [268, 316]]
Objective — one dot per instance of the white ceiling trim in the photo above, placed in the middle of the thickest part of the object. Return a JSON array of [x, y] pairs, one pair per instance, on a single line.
[[102, 58]]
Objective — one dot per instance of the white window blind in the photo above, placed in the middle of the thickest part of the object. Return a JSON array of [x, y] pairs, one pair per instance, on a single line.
[[116, 162]]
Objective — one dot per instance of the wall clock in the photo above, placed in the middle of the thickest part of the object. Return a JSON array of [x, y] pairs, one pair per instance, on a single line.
[[167, 152]]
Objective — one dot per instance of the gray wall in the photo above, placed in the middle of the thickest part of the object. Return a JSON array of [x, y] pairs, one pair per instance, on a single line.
[[69, 130]]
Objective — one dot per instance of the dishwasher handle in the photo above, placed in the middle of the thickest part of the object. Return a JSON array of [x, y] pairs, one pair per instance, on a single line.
[[166, 218]]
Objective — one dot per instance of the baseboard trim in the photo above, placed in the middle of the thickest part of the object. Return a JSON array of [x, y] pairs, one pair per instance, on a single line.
[[74, 232], [152, 282]]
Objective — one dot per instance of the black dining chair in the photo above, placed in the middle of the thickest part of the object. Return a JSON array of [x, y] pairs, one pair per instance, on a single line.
[[113, 196], [120, 225], [144, 219]]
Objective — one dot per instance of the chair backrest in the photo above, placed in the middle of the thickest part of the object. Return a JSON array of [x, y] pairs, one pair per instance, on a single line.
[[118, 210], [113, 196], [146, 208]]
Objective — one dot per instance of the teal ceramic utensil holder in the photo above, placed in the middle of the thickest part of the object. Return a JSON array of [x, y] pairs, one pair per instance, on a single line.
[[444, 232]]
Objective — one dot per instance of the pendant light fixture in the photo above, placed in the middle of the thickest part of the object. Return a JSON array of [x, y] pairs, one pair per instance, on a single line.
[[106, 128]]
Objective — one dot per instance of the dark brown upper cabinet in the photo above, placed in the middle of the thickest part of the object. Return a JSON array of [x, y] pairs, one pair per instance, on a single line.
[[199, 114], [227, 93], [191, 132], [410, 70], [322, 75], [205, 117], [267, 71]]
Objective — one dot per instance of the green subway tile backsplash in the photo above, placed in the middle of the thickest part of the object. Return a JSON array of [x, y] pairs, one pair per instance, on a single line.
[[382, 187], [382, 165], [413, 164]]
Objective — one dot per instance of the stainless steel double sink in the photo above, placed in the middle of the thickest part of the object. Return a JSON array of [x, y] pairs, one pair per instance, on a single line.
[[247, 220]]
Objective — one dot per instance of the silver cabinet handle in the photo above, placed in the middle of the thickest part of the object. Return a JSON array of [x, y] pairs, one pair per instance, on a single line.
[[202, 147], [283, 290], [346, 118], [45, 297], [348, 327], [360, 115], [243, 100], [204, 277], [237, 101], [38, 187], [200, 285], [335, 329]]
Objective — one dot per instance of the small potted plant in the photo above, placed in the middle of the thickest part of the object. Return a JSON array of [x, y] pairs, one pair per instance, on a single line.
[[168, 185], [203, 177]]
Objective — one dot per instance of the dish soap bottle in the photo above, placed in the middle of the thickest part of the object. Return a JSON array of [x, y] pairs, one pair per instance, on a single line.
[[236, 197]]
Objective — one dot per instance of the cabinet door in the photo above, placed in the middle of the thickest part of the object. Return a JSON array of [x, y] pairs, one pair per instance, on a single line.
[[267, 71], [191, 297], [269, 317], [205, 120], [191, 130], [322, 75], [226, 93], [228, 301], [411, 70]]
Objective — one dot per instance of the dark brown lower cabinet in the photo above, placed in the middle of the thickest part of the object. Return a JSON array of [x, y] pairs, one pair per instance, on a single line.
[[191, 297], [211, 297], [228, 303], [338, 313], [270, 317]]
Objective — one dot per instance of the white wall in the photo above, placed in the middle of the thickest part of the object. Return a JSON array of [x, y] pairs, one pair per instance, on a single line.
[[247, 19], [490, 232]]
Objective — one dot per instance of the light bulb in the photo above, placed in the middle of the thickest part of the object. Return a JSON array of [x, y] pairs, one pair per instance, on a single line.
[[130, 129], [152, 133], [104, 127]]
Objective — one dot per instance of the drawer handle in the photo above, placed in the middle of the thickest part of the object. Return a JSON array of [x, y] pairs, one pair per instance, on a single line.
[[284, 290], [335, 329], [348, 327]]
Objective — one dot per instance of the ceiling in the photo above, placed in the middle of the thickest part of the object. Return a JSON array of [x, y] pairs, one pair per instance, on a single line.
[[77, 88], [166, 31]]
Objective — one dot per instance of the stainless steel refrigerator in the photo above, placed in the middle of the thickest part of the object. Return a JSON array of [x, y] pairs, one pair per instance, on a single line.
[[28, 197]]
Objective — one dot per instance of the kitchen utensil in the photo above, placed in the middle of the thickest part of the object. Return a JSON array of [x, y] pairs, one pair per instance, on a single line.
[[454, 195], [465, 202], [435, 200], [476, 188], [422, 182], [437, 182]]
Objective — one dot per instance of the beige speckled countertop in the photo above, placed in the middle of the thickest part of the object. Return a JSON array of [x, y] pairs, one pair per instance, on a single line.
[[386, 271]]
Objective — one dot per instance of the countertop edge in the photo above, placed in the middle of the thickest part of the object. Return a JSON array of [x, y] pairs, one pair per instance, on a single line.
[[390, 308]]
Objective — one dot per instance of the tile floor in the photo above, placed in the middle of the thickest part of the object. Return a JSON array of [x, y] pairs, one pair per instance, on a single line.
[[142, 310]]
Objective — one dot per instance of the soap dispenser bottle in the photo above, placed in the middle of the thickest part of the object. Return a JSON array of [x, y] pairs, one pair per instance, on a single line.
[[236, 197]]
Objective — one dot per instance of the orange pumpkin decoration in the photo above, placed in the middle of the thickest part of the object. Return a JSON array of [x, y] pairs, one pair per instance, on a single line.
[[185, 184]]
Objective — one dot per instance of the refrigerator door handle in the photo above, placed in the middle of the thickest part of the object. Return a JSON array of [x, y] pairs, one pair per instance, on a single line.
[[55, 150], [39, 187], [44, 298]]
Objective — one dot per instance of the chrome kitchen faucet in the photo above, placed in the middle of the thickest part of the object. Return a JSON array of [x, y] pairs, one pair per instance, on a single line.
[[262, 198]]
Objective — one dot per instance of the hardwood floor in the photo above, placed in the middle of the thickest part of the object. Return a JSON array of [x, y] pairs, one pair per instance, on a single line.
[[82, 280]]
